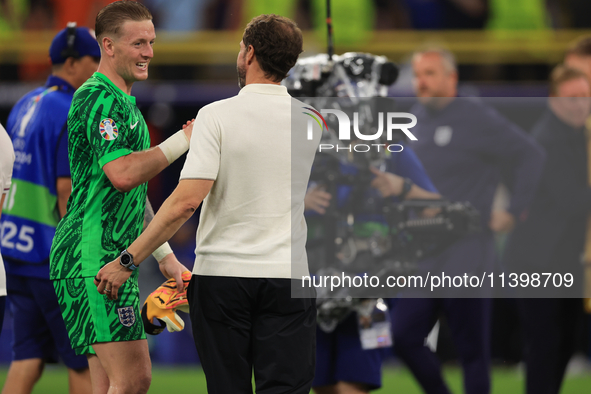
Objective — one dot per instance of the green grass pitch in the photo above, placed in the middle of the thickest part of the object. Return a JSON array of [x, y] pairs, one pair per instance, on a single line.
[[396, 380]]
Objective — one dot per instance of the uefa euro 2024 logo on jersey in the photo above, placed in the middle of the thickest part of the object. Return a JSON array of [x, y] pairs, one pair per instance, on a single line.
[[344, 131], [108, 129]]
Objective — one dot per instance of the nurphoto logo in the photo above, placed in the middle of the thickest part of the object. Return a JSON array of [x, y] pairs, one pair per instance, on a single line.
[[392, 124]]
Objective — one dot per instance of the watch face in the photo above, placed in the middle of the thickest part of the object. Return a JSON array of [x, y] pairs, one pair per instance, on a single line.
[[125, 259]]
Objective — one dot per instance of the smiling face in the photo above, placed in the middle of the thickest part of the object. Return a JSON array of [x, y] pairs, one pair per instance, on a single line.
[[132, 50]]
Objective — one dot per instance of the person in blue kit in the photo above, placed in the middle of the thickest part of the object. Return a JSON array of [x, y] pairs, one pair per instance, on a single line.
[[462, 144], [552, 238], [37, 200], [342, 365]]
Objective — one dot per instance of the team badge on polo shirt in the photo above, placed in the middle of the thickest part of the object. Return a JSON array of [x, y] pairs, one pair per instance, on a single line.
[[442, 135], [108, 129], [126, 316]]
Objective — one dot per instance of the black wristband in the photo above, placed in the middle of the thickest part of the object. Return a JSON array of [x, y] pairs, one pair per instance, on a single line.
[[405, 188]]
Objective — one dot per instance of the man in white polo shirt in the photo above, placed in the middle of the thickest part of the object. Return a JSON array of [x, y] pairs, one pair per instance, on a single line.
[[250, 241]]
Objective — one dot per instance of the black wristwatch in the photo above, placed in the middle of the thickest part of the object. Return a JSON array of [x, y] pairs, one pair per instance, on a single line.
[[126, 260], [405, 188]]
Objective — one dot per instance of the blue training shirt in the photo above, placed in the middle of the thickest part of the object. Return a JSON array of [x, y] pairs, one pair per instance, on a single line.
[[37, 127], [407, 165], [462, 148]]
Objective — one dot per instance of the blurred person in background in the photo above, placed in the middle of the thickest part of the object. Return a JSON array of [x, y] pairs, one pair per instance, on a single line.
[[352, 20], [111, 162], [184, 16], [577, 12], [41, 188], [12, 14], [465, 14], [578, 55], [462, 144], [38, 16], [446, 14], [6, 163], [552, 238], [236, 13], [342, 365], [516, 14], [80, 11]]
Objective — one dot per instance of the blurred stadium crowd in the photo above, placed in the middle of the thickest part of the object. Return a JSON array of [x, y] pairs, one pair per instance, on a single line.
[[190, 15], [360, 25]]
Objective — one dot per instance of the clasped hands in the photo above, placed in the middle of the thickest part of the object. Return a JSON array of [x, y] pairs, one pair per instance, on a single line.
[[113, 275]]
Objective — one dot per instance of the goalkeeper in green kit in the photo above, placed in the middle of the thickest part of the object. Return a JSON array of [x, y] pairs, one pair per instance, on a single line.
[[111, 161]]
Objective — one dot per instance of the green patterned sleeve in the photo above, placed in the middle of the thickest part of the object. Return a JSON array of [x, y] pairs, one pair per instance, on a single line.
[[108, 128]]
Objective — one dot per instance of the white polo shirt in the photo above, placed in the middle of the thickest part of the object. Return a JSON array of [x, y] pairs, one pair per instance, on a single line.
[[6, 163], [255, 147]]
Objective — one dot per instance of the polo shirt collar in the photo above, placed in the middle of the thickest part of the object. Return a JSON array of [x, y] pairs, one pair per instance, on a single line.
[[265, 88]]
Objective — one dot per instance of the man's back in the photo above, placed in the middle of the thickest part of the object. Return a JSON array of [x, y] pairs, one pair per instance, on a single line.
[[255, 208]]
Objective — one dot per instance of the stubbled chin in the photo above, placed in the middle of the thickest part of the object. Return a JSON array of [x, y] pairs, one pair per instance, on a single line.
[[142, 75]]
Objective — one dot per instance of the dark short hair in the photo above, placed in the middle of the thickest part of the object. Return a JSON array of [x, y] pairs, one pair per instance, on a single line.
[[110, 19], [562, 74], [277, 43], [581, 47]]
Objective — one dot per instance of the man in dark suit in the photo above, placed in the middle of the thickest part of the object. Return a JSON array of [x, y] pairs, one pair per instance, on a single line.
[[553, 236], [461, 144]]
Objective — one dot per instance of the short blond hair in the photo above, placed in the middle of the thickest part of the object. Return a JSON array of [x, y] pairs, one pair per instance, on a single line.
[[111, 17]]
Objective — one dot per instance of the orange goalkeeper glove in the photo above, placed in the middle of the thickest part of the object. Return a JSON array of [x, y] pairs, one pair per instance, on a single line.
[[163, 304]]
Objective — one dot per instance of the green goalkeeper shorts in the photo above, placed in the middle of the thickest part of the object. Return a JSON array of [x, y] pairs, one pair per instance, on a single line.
[[91, 317]]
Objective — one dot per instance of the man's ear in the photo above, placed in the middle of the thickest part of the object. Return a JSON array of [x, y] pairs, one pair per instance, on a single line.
[[107, 45], [455, 77], [250, 56], [69, 66]]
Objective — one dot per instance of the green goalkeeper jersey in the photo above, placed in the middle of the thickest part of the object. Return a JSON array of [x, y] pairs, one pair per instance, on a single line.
[[103, 124]]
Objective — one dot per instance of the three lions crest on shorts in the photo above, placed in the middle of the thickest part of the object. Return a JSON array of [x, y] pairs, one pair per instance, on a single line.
[[126, 316]]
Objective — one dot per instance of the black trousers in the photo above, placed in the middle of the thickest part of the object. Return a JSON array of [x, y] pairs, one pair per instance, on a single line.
[[241, 325], [469, 322], [549, 331]]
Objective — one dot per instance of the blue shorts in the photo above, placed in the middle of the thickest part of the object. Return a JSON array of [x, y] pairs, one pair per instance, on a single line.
[[2, 304], [38, 328], [340, 357]]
